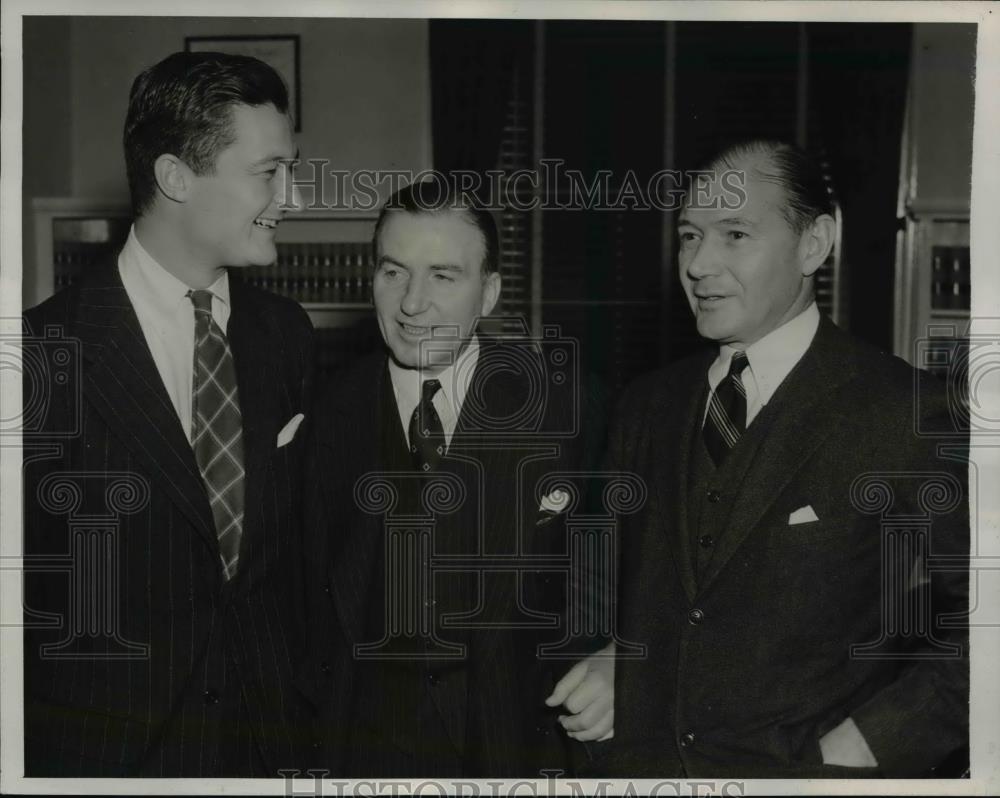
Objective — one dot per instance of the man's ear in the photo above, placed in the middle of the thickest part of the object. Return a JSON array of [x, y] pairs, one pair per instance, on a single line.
[[173, 177], [491, 292], [816, 243]]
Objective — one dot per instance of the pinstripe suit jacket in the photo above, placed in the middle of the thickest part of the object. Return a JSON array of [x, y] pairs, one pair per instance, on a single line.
[[507, 731], [137, 652]]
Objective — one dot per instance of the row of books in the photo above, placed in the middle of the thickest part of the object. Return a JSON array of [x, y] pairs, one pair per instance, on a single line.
[[69, 258], [951, 278], [327, 273]]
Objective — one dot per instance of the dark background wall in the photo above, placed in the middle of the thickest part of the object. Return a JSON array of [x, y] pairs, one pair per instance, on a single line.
[[627, 97]]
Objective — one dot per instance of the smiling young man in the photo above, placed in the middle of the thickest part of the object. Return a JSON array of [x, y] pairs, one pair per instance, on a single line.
[[186, 398], [442, 405], [767, 590]]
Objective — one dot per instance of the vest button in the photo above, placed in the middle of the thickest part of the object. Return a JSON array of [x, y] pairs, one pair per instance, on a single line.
[[706, 541], [714, 496], [433, 678], [695, 617], [211, 697], [687, 739]]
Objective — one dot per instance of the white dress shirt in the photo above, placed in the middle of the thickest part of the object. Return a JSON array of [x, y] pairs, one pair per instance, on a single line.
[[770, 360], [455, 381], [166, 316]]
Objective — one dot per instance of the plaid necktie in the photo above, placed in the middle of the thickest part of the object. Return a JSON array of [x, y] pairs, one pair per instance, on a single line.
[[426, 430], [727, 411], [217, 435]]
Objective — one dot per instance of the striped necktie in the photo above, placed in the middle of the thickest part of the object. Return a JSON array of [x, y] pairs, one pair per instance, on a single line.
[[217, 434], [726, 420]]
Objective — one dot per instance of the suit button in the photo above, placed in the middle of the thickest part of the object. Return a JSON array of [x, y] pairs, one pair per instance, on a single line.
[[433, 678], [542, 730], [706, 541], [325, 667], [327, 589], [714, 496], [210, 696], [687, 739], [695, 617]]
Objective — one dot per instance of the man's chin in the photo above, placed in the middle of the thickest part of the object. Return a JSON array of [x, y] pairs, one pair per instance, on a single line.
[[714, 329], [404, 356], [259, 256], [429, 358]]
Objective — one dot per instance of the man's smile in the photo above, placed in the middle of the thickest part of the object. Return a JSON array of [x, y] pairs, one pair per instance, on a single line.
[[266, 223]]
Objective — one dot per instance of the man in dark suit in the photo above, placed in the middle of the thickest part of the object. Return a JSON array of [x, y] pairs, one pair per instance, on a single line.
[[799, 575], [443, 471], [163, 484]]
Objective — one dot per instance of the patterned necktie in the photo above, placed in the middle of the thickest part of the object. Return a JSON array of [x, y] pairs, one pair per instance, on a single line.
[[217, 434], [426, 431], [727, 411]]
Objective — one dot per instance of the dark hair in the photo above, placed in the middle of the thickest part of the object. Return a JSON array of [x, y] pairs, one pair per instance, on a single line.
[[183, 106], [808, 191], [435, 195]]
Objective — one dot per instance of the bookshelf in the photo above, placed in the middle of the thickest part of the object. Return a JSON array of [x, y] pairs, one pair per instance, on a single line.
[[325, 263]]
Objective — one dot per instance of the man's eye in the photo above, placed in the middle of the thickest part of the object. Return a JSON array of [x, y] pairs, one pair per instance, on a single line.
[[444, 277], [687, 238], [737, 235]]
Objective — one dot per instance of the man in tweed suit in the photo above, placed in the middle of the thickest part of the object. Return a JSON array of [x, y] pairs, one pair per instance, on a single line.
[[447, 406], [799, 575], [185, 391]]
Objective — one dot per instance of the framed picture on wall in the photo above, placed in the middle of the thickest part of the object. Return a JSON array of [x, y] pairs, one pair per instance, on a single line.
[[281, 52]]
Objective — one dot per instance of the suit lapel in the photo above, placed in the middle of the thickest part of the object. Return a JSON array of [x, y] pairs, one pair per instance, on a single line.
[[121, 381], [507, 468], [359, 420], [248, 333], [800, 416], [679, 419]]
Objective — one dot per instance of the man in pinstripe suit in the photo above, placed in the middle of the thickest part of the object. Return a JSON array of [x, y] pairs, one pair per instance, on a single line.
[[162, 509], [434, 422]]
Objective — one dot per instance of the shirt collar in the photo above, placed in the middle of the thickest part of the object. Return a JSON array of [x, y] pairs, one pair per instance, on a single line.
[[772, 357], [158, 287], [455, 380]]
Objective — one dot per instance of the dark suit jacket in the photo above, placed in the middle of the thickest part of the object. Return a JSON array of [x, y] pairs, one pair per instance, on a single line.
[[506, 729], [746, 686], [143, 673]]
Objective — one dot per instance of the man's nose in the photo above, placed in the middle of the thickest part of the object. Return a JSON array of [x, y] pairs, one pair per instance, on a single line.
[[415, 299], [702, 262]]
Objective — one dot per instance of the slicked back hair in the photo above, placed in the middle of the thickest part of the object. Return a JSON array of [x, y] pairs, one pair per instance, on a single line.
[[183, 106], [436, 195], [808, 194]]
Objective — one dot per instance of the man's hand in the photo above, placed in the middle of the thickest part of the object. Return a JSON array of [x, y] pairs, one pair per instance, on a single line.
[[846, 745], [588, 691]]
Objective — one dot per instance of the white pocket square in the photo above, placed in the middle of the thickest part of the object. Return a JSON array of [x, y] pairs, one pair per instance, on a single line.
[[554, 503], [289, 430], [803, 516]]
